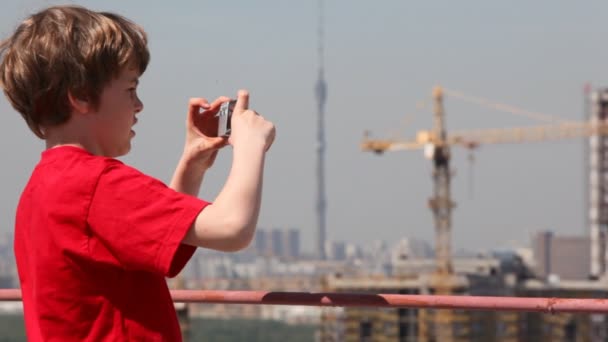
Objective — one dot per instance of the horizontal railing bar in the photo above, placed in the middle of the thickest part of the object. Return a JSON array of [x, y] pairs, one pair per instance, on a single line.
[[534, 304]]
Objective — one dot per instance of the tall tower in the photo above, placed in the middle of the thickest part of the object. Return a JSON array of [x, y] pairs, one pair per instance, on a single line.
[[321, 96], [598, 185]]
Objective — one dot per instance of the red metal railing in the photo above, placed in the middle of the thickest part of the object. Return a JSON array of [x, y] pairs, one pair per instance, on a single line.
[[548, 305]]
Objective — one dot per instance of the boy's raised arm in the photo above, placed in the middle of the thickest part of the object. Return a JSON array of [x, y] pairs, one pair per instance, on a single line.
[[229, 223]]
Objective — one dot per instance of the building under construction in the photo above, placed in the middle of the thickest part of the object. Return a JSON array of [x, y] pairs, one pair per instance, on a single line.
[[499, 275], [496, 276]]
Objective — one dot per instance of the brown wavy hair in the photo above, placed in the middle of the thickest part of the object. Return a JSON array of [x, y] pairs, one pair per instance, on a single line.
[[66, 49]]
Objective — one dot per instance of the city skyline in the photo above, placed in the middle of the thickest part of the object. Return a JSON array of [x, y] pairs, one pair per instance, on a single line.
[[381, 64]]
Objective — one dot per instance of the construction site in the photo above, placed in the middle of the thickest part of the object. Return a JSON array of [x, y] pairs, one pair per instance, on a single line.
[[496, 275], [565, 267]]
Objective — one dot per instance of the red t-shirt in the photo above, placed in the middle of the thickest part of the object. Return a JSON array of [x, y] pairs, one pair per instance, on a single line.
[[94, 241]]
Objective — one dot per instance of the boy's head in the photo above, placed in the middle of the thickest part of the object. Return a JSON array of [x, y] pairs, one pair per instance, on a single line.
[[66, 50]]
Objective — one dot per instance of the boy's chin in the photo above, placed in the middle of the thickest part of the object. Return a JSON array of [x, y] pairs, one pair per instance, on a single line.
[[122, 152]]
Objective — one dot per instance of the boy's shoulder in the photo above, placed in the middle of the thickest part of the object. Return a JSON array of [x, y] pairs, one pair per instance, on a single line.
[[73, 167], [71, 160], [72, 176]]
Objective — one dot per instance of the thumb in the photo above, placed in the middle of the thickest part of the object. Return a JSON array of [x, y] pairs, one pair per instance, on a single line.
[[217, 142], [242, 101]]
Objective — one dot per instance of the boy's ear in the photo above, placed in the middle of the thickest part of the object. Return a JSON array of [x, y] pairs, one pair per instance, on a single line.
[[78, 104]]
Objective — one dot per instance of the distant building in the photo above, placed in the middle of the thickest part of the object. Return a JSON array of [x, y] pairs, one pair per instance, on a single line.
[[353, 252], [597, 177], [262, 245], [335, 250], [293, 243], [277, 242], [566, 257], [411, 249]]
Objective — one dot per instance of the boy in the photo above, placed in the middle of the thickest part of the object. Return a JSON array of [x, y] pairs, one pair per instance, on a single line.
[[94, 238]]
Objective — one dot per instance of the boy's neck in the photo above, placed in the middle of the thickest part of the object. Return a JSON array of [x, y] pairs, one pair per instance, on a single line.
[[69, 134]]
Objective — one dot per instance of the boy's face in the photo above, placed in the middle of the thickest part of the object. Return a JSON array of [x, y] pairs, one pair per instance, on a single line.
[[115, 116]]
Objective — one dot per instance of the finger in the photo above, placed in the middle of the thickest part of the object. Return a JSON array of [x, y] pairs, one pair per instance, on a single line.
[[198, 102], [242, 101], [215, 104], [194, 107]]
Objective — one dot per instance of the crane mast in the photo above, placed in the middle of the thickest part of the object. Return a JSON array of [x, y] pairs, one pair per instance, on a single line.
[[441, 203]]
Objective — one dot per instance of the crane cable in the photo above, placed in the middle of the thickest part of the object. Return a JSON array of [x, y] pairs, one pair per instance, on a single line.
[[504, 107]]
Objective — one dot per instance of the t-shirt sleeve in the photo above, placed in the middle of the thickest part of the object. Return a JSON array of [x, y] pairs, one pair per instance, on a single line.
[[141, 221]]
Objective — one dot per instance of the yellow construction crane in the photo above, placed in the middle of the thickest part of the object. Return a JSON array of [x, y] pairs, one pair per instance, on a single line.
[[436, 144]]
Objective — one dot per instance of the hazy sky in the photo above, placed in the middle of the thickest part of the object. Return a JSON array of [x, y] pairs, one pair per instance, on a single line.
[[382, 60]]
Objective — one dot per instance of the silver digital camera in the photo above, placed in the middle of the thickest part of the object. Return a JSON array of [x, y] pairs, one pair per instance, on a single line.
[[224, 116]]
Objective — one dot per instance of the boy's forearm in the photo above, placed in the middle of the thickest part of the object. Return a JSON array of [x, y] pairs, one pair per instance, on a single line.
[[187, 177], [229, 224], [242, 193]]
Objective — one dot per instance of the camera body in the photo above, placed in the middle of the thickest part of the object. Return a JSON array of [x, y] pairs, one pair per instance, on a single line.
[[224, 116]]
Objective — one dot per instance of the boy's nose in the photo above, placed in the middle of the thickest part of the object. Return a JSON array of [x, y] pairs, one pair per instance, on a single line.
[[139, 106]]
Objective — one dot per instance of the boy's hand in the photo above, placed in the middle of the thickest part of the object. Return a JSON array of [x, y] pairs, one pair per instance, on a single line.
[[202, 142], [248, 127]]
